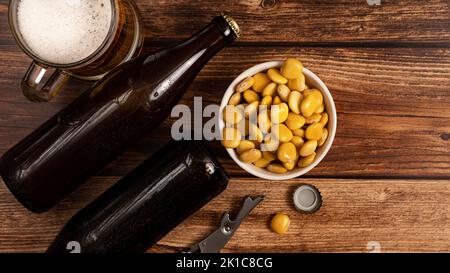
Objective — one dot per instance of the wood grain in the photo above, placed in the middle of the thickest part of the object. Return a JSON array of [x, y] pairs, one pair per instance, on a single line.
[[402, 215], [308, 21], [393, 114], [386, 178]]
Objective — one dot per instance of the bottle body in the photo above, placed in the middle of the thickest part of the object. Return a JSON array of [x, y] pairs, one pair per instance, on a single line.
[[147, 203], [105, 120]]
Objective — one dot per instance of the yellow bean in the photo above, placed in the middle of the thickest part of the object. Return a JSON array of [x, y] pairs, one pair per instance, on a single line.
[[270, 89], [291, 69], [323, 138], [287, 152], [261, 80], [269, 155], [324, 119], [231, 138], [294, 100], [245, 145], [232, 115], [235, 99], [318, 95], [320, 109], [276, 168], [250, 96], [299, 132], [264, 121], [279, 113], [306, 161], [308, 105], [267, 100], [255, 133], [282, 132], [277, 100], [245, 84], [294, 121], [313, 118], [297, 141], [250, 156], [283, 92], [280, 223], [308, 148], [314, 131], [290, 165], [297, 84], [262, 162], [251, 109], [276, 76]]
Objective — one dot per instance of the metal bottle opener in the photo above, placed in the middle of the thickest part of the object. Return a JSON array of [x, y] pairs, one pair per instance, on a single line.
[[219, 238]]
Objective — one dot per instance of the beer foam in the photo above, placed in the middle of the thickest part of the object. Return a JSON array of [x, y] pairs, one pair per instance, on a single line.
[[64, 31]]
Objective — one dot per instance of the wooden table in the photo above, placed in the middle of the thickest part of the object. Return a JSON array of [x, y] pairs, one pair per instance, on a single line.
[[385, 181]]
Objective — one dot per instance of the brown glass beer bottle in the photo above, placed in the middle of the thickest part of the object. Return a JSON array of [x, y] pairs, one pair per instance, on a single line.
[[108, 118]]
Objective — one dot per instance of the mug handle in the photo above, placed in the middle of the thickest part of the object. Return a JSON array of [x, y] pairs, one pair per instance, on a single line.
[[37, 87]]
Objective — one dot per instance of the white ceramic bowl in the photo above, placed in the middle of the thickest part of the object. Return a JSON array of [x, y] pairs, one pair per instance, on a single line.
[[313, 81]]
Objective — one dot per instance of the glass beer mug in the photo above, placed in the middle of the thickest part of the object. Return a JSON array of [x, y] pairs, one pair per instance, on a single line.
[[83, 39]]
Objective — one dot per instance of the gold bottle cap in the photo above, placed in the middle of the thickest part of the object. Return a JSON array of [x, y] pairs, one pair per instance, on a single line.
[[233, 25]]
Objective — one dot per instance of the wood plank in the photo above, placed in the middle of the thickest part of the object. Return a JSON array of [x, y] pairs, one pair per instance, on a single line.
[[393, 114], [402, 215], [290, 21]]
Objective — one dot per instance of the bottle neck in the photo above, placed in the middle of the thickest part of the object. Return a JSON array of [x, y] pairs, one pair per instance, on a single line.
[[182, 62], [205, 43]]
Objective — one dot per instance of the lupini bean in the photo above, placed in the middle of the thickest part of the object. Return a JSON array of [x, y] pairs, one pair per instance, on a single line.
[[320, 109], [297, 141], [297, 84], [323, 138], [313, 118], [269, 155], [324, 119], [231, 138], [308, 148], [276, 76], [306, 161], [245, 84], [283, 92], [314, 131], [245, 145], [276, 168], [295, 122], [291, 69], [262, 162], [267, 100], [280, 223], [290, 165], [260, 81], [294, 100], [277, 100], [287, 152], [270, 89], [282, 132], [250, 96], [299, 132], [235, 99], [308, 105], [250, 156]]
